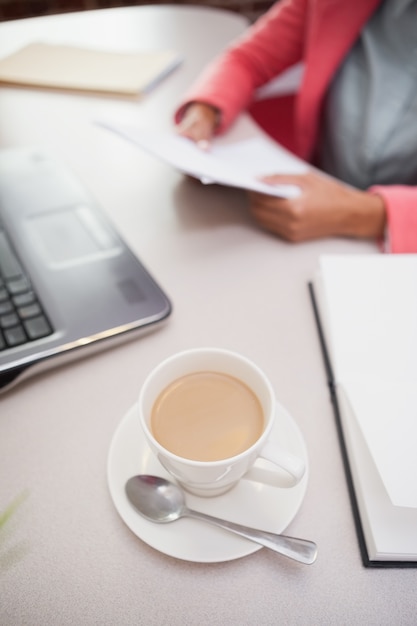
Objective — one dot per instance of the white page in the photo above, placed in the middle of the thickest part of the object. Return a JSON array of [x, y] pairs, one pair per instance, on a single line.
[[372, 323], [237, 164], [387, 416], [372, 312], [390, 531]]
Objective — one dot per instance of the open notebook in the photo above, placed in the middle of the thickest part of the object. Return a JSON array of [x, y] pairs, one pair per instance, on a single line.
[[87, 69], [366, 310]]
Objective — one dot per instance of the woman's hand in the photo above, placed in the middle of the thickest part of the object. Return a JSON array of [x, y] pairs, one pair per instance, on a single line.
[[324, 208], [199, 123]]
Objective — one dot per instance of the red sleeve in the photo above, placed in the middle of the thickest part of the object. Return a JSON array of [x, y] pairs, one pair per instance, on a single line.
[[274, 43], [401, 207]]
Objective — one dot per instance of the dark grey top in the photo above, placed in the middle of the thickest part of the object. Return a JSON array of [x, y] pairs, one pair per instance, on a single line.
[[369, 133]]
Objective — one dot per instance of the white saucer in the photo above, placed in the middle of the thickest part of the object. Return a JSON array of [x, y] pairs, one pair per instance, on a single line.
[[253, 504]]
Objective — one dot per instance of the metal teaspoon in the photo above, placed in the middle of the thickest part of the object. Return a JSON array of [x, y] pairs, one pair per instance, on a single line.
[[159, 500]]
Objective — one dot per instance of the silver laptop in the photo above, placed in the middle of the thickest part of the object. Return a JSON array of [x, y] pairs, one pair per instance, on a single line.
[[69, 285]]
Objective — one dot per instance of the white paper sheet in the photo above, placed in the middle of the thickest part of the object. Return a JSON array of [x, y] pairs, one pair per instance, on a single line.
[[238, 164], [387, 416], [372, 326], [390, 531]]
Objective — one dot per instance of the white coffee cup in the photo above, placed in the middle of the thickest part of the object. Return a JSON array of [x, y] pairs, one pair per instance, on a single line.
[[211, 478]]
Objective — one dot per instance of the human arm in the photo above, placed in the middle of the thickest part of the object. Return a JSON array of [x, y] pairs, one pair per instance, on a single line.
[[325, 207], [274, 43]]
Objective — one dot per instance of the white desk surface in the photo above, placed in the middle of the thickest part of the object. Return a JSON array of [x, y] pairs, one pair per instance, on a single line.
[[66, 557]]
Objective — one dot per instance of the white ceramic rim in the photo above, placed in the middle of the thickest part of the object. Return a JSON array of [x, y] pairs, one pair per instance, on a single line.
[[269, 420]]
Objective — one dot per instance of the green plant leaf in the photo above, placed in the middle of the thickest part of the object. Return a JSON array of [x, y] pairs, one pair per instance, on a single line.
[[6, 515]]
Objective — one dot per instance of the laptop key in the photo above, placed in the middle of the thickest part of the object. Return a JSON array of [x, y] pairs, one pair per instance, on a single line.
[[23, 299], [31, 310], [20, 285], [14, 336], [6, 307], [7, 321], [37, 327]]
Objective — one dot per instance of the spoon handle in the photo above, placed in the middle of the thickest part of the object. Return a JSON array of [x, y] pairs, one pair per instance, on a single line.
[[300, 550]]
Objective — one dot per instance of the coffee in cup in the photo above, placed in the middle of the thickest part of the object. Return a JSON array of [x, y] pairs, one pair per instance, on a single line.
[[207, 415]]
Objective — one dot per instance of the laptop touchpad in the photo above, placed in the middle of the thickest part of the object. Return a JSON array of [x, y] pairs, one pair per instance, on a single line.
[[71, 236]]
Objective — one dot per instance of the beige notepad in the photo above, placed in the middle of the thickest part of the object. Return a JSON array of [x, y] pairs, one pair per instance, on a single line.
[[69, 67]]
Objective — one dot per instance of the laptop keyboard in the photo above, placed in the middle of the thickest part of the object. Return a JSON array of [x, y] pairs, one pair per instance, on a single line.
[[21, 316]]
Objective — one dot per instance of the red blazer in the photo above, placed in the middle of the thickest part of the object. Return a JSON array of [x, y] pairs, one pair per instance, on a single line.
[[318, 33]]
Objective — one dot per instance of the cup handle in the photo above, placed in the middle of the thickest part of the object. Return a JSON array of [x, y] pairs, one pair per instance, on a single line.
[[293, 466], [284, 459]]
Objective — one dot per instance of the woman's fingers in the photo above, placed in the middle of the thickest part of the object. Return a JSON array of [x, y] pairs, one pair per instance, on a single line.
[[198, 124]]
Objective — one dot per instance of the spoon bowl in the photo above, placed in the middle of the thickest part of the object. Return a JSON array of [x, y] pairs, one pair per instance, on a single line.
[[161, 501]]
